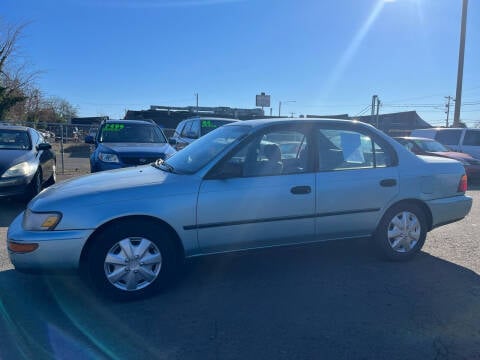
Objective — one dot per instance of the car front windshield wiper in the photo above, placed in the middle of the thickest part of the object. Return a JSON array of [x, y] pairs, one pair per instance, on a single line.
[[163, 165]]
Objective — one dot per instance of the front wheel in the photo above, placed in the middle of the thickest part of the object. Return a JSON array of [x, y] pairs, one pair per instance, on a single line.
[[53, 178], [131, 260], [401, 232]]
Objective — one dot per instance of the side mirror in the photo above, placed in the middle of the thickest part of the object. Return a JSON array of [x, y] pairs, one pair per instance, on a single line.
[[44, 146], [172, 141], [89, 139]]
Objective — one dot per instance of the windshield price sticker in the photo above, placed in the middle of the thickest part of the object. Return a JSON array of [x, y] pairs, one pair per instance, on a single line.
[[113, 127], [208, 124]]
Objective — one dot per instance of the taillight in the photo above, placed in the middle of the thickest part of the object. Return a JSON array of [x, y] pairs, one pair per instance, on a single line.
[[462, 186]]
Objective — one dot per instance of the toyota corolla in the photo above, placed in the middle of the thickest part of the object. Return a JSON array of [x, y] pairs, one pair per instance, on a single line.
[[129, 230]]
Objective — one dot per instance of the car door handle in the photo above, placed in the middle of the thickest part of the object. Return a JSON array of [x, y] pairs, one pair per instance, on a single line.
[[388, 182], [297, 190]]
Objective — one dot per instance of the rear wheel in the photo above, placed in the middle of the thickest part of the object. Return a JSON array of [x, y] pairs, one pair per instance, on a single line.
[[401, 232], [131, 259]]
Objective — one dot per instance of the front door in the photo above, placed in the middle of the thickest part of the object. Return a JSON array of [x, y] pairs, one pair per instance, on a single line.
[[268, 199]]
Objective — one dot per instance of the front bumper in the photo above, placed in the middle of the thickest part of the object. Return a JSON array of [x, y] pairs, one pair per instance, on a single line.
[[448, 210], [14, 186], [57, 250]]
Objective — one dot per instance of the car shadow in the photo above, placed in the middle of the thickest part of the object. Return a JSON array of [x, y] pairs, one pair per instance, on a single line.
[[472, 186], [330, 301], [9, 209]]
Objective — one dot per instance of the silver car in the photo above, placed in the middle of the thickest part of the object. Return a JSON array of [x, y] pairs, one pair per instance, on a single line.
[[129, 230]]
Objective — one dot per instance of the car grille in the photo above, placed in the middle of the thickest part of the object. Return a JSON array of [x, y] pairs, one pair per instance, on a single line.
[[141, 160]]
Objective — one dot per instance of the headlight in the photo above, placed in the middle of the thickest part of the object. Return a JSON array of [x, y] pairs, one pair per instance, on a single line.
[[110, 158], [34, 221], [23, 169]]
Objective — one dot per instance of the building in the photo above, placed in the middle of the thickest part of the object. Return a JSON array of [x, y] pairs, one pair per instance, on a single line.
[[393, 124], [170, 116]]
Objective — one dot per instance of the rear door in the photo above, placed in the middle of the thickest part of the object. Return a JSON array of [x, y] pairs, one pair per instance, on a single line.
[[357, 178]]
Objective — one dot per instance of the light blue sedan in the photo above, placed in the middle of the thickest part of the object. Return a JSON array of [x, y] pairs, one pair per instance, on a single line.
[[129, 230]]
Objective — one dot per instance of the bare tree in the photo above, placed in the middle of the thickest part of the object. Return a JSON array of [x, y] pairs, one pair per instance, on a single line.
[[15, 79]]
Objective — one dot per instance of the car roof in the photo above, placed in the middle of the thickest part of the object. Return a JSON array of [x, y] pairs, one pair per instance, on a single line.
[[292, 121], [130, 121], [209, 118], [414, 138], [14, 127]]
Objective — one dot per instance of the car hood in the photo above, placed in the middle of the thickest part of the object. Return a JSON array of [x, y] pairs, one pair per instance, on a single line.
[[107, 187], [8, 158], [123, 148]]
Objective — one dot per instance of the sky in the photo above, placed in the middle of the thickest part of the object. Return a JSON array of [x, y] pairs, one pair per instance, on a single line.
[[321, 57]]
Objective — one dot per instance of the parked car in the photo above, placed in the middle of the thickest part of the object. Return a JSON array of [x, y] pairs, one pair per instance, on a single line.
[[234, 190], [458, 139], [429, 147], [27, 162], [123, 143], [191, 129]]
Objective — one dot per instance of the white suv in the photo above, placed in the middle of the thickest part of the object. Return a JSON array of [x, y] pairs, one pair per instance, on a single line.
[[458, 139]]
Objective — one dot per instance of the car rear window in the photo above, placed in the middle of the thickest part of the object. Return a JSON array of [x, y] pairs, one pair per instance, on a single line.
[[449, 136]]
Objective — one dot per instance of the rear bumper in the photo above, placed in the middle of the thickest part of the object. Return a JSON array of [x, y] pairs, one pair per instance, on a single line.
[[448, 210]]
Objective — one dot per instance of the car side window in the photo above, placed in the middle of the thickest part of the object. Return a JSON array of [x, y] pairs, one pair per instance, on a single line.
[[341, 149], [186, 129], [272, 153], [179, 129], [194, 132], [472, 138], [35, 138], [449, 136]]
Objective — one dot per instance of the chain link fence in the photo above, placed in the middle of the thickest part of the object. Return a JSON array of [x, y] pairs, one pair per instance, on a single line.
[[68, 142]]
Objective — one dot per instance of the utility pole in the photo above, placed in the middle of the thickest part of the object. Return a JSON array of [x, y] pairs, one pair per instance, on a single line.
[[458, 96], [447, 106], [280, 105], [378, 110], [374, 100], [196, 96]]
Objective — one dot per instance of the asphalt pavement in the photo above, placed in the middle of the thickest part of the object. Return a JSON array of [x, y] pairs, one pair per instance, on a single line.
[[334, 300]]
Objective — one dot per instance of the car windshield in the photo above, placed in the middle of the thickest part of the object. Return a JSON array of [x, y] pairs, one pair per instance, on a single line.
[[130, 133], [201, 152], [14, 140], [431, 146]]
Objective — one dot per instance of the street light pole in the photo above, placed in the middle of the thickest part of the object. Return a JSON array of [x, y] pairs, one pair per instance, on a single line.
[[461, 53], [280, 105]]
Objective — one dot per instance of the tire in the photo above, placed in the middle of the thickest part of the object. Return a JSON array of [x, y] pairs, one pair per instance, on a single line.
[[130, 260], [53, 178], [34, 187], [401, 233]]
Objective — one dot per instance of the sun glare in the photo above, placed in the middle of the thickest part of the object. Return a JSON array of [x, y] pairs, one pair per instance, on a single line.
[[353, 47]]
